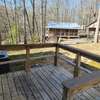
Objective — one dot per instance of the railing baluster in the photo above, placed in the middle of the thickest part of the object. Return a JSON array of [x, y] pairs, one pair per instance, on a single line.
[[77, 67], [56, 55], [0, 39], [67, 94], [27, 64]]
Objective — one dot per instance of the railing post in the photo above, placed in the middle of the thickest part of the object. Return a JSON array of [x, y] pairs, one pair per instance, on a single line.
[[56, 55], [67, 94], [27, 63], [0, 39], [77, 67]]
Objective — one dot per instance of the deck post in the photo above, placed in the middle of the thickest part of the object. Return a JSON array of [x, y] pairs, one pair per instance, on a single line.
[[77, 67], [27, 64], [67, 95], [56, 55], [0, 39]]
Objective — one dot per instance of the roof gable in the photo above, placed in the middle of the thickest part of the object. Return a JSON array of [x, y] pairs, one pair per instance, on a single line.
[[92, 25]]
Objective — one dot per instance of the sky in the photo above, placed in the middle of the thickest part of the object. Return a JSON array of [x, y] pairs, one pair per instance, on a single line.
[[70, 3], [9, 2]]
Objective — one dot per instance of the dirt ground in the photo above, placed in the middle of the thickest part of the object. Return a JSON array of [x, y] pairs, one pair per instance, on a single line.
[[91, 47]]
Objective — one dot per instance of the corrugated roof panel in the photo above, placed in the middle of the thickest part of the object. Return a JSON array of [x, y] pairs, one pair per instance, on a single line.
[[63, 25]]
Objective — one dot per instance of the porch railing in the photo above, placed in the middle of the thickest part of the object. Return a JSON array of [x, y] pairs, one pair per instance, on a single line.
[[27, 60], [78, 84], [72, 86]]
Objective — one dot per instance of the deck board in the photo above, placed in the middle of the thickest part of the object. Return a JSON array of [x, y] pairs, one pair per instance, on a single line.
[[42, 83], [50, 84], [12, 88], [45, 87], [39, 89], [1, 89], [18, 87], [6, 91]]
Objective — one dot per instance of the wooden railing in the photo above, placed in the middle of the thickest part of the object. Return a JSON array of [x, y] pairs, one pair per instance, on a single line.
[[78, 84], [72, 86], [27, 60], [79, 53]]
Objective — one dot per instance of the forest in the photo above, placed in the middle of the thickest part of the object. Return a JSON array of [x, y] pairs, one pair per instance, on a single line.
[[25, 21]]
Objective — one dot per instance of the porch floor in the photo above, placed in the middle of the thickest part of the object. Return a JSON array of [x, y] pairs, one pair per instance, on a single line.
[[42, 83]]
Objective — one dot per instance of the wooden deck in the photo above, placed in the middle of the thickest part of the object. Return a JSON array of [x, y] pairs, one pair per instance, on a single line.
[[42, 83]]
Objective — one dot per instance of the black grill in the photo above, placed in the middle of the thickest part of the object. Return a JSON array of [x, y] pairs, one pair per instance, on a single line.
[[4, 68]]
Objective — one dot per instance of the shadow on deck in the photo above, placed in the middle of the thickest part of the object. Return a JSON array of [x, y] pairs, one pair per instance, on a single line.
[[42, 83]]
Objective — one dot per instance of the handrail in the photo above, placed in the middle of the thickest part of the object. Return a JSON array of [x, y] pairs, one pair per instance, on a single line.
[[81, 52], [77, 51], [65, 47], [24, 46], [73, 86], [24, 60]]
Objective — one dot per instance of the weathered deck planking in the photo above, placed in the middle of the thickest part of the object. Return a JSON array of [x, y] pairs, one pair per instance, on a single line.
[[18, 87], [42, 83], [1, 92]]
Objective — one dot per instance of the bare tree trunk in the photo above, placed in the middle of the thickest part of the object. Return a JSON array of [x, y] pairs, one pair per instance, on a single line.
[[57, 13], [33, 19], [96, 37], [33, 16], [42, 20], [37, 26], [28, 23], [8, 20], [19, 33], [16, 22], [25, 34], [5, 25], [43, 13]]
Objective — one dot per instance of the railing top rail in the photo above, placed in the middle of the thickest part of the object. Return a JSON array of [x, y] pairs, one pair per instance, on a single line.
[[23, 46], [46, 45], [81, 52]]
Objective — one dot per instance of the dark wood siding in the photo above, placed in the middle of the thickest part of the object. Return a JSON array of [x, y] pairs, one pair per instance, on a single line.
[[64, 32]]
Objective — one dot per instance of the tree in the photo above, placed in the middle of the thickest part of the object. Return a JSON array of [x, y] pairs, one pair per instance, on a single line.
[[8, 21], [25, 34], [16, 30], [43, 14], [96, 36], [33, 17]]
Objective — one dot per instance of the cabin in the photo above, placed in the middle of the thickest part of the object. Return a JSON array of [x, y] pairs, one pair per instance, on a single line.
[[56, 78], [60, 29], [92, 28]]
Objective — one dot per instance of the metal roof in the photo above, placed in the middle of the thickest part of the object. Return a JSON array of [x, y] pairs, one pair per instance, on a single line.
[[60, 25], [98, 5]]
